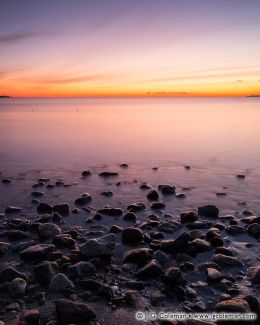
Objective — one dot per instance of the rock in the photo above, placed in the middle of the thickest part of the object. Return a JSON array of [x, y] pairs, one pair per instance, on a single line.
[[181, 196], [213, 275], [56, 217], [254, 230], [12, 209], [115, 229], [135, 207], [226, 261], [4, 247], [84, 199], [123, 165], [86, 173], [48, 230], [9, 273], [30, 317], [81, 269], [60, 283], [63, 209], [145, 186], [210, 211], [153, 195], [36, 252], [252, 302], [173, 276], [17, 287], [190, 216], [37, 194], [224, 251], [157, 205], [64, 241], [73, 312], [233, 306], [44, 208], [132, 235], [99, 246], [199, 225], [200, 245], [113, 212], [152, 269], [235, 230], [240, 176], [130, 216], [107, 174], [169, 227], [107, 193], [167, 189], [6, 180], [161, 258], [254, 274], [137, 256], [45, 270], [14, 235]]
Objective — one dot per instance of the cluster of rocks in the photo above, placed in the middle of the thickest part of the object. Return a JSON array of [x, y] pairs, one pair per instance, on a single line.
[[157, 261]]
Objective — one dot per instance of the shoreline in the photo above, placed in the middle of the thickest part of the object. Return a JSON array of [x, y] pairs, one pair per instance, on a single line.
[[116, 254]]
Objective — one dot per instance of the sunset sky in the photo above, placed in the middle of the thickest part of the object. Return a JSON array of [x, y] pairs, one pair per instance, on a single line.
[[129, 48]]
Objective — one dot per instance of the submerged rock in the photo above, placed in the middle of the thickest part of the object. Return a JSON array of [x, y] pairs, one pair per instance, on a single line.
[[17, 287], [153, 195], [12, 209], [99, 246], [48, 230], [84, 199], [113, 212], [130, 216], [132, 235], [210, 211], [167, 189], [226, 261], [173, 276], [86, 173], [44, 208], [213, 275], [152, 269], [108, 174], [157, 205], [135, 207], [190, 216], [71, 312], [62, 208], [64, 241], [4, 247]]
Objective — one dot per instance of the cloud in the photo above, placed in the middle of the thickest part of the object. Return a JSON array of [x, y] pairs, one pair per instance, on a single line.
[[12, 38]]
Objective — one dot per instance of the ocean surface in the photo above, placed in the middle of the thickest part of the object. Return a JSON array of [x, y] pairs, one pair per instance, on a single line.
[[218, 137]]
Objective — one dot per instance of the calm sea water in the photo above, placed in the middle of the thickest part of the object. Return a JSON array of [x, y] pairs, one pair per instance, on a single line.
[[218, 137]]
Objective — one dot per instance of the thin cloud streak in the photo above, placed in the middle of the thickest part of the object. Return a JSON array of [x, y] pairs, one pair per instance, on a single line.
[[12, 38]]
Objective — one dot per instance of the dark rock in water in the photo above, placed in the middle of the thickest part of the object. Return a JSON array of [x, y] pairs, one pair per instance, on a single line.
[[130, 216], [9, 273], [213, 275], [180, 196], [235, 230], [190, 216], [30, 317], [132, 284], [157, 205], [56, 217], [12, 209], [90, 284], [145, 186], [152, 269], [17, 287], [4, 247], [187, 167], [62, 208], [210, 211], [48, 230], [206, 265], [84, 199], [155, 168], [123, 165], [71, 312], [254, 230], [44, 208], [254, 274], [162, 258], [60, 283], [37, 194], [107, 193], [233, 306], [86, 173], [173, 276], [35, 201], [81, 269], [199, 225], [137, 256], [221, 194], [241, 176], [169, 227], [226, 261], [45, 270], [99, 246], [211, 233], [252, 302], [107, 174], [17, 235], [113, 212], [136, 207], [18, 223], [200, 245], [248, 213], [64, 241], [167, 189], [6, 180], [36, 252], [43, 218], [224, 251], [115, 229], [153, 195], [132, 235]]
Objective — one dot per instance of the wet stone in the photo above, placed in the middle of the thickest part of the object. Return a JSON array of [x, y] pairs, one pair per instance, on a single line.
[[173, 276], [17, 287], [12, 209], [213, 275], [9, 273], [132, 235], [60, 283], [37, 194], [14, 235], [235, 230], [135, 207], [108, 174], [254, 230], [83, 200], [130, 216], [210, 211], [137, 256], [62, 208], [81, 269], [113, 212], [107, 193], [45, 270], [36, 252], [48, 230], [86, 173], [153, 195], [190, 216], [152, 269], [254, 274], [44, 208], [226, 261], [64, 241], [99, 246], [233, 305], [4, 247], [157, 206], [167, 189]]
